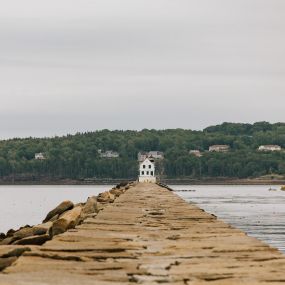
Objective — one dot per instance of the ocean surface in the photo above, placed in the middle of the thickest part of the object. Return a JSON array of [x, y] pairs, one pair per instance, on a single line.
[[254, 209]]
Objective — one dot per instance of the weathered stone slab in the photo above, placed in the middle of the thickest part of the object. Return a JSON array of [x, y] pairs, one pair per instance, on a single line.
[[61, 208], [6, 262], [33, 240], [91, 206], [42, 228], [106, 197], [67, 221], [12, 251]]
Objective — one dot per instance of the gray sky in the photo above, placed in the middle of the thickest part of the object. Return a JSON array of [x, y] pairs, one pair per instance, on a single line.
[[78, 65]]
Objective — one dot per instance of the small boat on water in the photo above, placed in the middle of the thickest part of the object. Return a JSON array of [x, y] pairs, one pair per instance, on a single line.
[[282, 188], [272, 189]]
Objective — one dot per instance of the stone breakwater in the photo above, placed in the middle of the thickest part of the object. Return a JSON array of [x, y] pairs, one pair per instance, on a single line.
[[64, 217], [148, 235]]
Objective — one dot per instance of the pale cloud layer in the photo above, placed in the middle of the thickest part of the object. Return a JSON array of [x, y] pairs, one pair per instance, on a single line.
[[68, 66]]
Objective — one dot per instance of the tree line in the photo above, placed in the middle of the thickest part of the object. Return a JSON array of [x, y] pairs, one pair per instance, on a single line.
[[76, 156]]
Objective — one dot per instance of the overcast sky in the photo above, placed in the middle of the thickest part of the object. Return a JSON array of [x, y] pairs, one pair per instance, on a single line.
[[78, 65]]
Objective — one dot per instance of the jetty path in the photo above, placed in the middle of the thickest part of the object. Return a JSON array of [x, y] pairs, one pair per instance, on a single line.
[[149, 235]]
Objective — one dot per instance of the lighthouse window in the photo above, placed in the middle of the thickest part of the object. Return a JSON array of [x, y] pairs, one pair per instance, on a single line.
[[147, 173], [142, 172], [149, 166], [151, 173], [143, 166]]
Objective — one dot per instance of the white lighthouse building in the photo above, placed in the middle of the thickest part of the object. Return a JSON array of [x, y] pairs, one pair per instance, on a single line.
[[147, 171]]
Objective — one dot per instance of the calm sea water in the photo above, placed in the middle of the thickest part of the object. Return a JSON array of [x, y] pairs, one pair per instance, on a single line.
[[254, 209]]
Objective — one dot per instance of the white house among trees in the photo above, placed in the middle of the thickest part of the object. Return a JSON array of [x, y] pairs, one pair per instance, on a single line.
[[270, 148], [108, 154], [219, 148], [40, 156], [147, 171], [155, 154]]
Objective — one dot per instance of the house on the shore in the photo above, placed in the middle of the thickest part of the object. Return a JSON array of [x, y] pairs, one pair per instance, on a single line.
[[195, 152], [154, 154], [40, 156], [108, 154], [269, 148], [147, 171], [219, 148]]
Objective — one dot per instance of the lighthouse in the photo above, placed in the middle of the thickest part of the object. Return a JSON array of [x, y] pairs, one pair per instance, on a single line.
[[147, 171]]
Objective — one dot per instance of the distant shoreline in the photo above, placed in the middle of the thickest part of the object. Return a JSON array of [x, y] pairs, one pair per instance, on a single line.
[[225, 182], [208, 181]]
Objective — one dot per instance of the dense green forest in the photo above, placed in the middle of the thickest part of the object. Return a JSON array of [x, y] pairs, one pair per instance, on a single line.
[[77, 157]]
